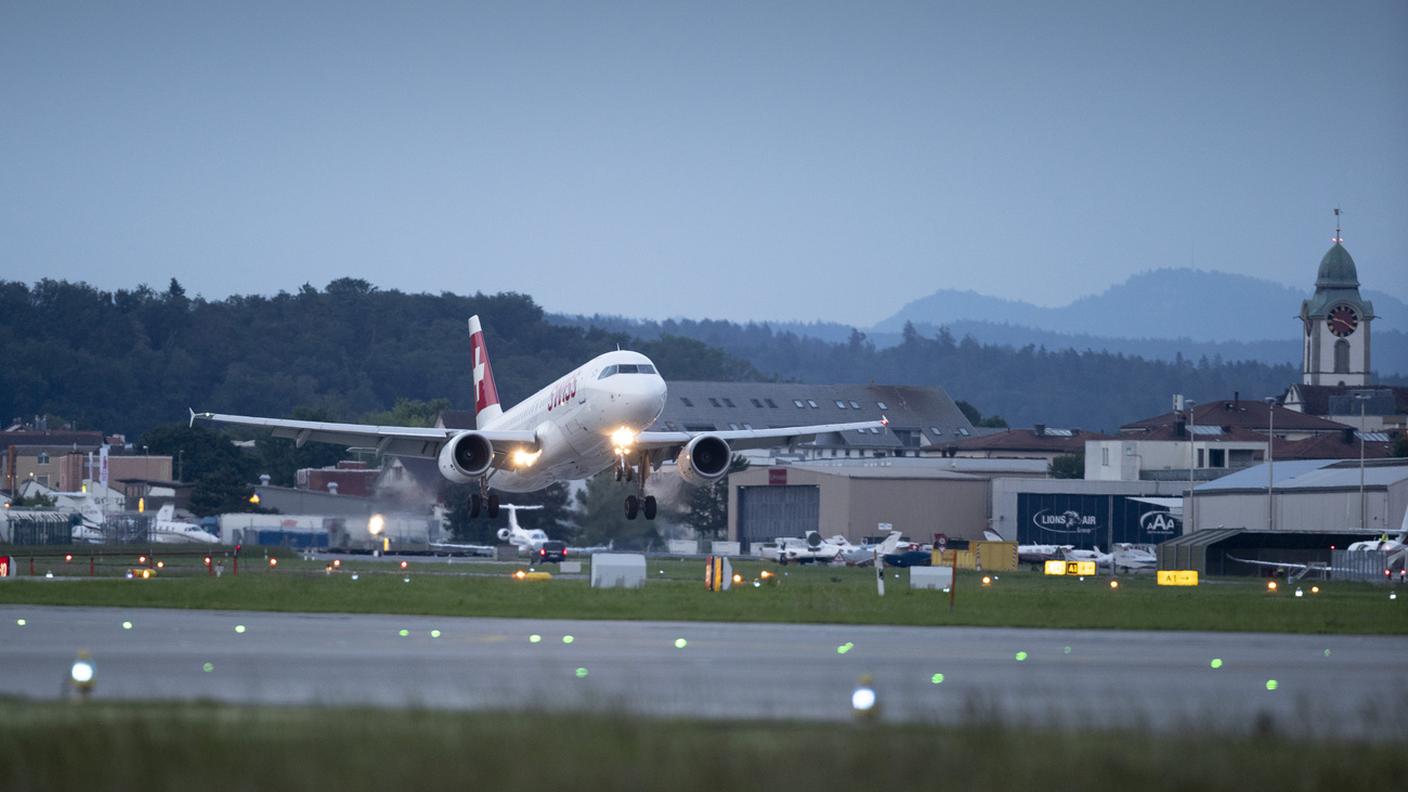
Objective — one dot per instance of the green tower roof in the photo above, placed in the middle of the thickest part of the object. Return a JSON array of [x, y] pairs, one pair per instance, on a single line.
[[1337, 270]]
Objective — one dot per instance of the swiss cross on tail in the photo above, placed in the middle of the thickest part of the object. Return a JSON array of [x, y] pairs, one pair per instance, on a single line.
[[486, 396]]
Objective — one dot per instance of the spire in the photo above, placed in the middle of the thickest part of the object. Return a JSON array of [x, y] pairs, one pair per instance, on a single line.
[[1339, 238]]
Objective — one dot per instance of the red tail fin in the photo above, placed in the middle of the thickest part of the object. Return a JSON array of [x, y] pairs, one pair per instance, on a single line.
[[486, 395]]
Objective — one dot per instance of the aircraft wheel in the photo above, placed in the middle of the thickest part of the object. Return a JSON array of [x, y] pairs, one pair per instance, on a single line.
[[493, 509], [649, 507], [632, 507], [475, 502]]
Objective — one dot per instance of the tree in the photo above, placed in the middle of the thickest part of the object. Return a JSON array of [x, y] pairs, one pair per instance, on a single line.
[[601, 517], [707, 507], [1067, 466], [220, 471]]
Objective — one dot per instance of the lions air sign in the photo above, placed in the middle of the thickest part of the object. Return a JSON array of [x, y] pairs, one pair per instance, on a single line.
[[1069, 521]]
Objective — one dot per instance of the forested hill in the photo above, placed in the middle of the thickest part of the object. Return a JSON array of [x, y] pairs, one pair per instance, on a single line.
[[1091, 390], [128, 360]]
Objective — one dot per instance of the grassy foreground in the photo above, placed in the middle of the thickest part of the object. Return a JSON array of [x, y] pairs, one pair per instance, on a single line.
[[804, 594], [216, 747]]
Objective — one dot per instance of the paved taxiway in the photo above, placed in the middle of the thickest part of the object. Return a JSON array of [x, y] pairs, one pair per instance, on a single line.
[[1325, 684]]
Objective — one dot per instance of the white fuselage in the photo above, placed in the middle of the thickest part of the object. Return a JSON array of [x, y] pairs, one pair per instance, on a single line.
[[574, 418]]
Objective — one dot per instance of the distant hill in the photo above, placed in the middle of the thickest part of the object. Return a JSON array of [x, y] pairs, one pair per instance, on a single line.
[[1163, 303]]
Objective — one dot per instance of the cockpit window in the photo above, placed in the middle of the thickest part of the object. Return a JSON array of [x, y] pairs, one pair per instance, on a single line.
[[626, 368]]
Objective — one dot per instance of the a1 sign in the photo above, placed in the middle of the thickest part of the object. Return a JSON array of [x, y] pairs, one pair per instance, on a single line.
[[6, 566]]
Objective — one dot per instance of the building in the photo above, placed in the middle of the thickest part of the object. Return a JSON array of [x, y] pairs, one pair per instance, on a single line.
[[1086, 514], [1039, 442], [852, 501], [348, 477], [1371, 408], [1307, 496], [1216, 438], [922, 421], [1336, 321]]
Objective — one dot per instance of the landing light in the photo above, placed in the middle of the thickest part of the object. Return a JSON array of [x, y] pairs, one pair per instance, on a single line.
[[522, 458], [623, 438]]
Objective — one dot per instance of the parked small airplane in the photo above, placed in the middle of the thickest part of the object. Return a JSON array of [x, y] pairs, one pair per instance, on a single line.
[[594, 418], [1032, 553], [865, 553], [169, 531]]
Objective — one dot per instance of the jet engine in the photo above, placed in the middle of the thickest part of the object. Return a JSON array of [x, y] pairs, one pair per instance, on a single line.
[[466, 457], [503, 534], [704, 460]]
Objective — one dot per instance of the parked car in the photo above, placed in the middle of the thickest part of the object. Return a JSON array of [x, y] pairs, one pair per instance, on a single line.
[[552, 552]]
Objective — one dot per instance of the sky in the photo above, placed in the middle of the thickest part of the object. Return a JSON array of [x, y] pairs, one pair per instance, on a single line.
[[748, 160]]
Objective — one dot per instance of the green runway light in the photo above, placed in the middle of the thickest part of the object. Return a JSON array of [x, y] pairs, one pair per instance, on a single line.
[[567, 639], [581, 673], [681, 643], [845, 647], [1021, 657], [1327, 652], [937, 679], [21, 622], [127, 625], [1272, 684], [404, 633], [239, 628], [1216, 662], [1067, 650], [534, 638], [208, 667], [434, 633]]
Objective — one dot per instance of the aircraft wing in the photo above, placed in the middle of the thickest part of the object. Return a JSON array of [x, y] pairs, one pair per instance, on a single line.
[[743, 439], [408, 441]]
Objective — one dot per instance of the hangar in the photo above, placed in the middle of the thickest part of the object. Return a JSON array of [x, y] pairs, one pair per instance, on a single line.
[[852, 500], [1308, 496]]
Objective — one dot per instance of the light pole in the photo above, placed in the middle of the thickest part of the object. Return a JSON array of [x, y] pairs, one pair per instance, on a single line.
[[1362, 398], [1270, 461], [1188, 522]]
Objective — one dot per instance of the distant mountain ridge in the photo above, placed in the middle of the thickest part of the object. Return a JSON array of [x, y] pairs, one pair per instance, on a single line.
[[1158, 304]]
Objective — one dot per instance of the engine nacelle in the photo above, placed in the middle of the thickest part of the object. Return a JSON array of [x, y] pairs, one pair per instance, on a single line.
[[704, 460], [466, 457], [503, 534]]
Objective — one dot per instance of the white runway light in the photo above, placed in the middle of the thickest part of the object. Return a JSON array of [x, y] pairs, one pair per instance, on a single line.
[[863, 698]]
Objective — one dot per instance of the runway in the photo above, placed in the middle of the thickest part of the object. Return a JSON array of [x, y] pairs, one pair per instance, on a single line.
[[1334, 685]]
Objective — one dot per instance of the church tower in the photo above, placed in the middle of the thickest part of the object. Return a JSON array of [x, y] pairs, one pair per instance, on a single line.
[[1336, 322]]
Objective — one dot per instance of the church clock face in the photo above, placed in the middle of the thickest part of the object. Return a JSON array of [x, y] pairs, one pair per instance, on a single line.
[[1343, 320]]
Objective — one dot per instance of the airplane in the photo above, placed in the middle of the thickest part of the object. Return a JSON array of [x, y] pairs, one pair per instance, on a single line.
[[865, 553], [1032, 553], [525, 541], [593, 418], [169, 531], [1100, 559], [1383, 542]]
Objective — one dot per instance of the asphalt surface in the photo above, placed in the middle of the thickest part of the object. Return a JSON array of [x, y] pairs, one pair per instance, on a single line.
[[1329, 685]]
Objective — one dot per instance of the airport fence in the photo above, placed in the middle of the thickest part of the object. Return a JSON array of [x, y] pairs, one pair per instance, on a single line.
[[1372, 566]]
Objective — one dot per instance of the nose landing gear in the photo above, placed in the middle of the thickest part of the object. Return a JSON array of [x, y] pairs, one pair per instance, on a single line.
[[640, 502]]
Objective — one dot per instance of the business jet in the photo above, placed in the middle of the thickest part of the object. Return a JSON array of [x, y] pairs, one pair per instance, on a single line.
[[594, 418], [865, 553], [169, 531]]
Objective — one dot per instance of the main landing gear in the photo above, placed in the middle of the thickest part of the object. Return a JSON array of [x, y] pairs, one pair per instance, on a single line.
[[485, 501], [640, 502]]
